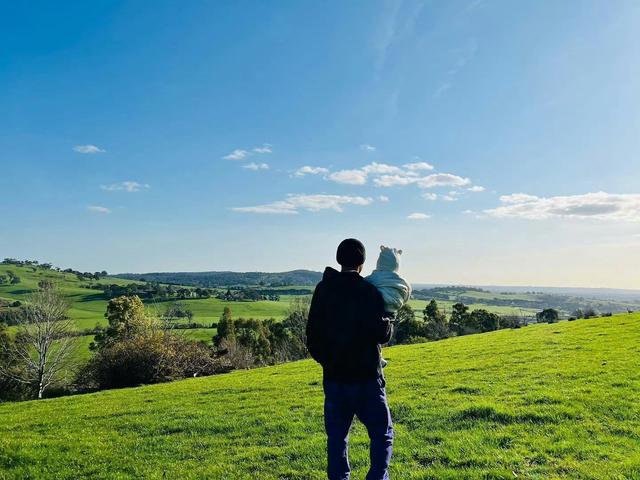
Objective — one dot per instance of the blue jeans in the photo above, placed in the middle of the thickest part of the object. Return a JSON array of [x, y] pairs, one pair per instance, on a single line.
[[367, 401]]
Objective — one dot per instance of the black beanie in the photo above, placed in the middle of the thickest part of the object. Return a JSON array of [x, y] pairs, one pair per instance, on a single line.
[[351, 253]]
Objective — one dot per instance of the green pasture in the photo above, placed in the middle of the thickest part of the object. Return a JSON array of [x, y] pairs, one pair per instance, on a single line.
[[542, 402]]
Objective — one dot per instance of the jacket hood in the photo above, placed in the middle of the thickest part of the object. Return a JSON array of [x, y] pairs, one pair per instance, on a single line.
[[331, 273]]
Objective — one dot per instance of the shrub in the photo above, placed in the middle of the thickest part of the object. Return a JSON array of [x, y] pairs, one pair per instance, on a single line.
[[153, 356], [407, 326], [127, 317], [436, 323], [548, 315]]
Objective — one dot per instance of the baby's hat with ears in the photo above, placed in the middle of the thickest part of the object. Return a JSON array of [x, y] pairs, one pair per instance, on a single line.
[[396, 250], [389, 259]]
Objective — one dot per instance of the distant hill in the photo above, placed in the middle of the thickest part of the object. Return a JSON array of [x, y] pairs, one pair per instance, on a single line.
[[219, 279], [600, 293]]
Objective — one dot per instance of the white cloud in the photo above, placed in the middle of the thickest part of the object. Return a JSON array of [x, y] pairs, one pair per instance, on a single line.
[[380, 169], [385, 175], [429, 196], [418, 166], [517, 198], [265, 148], [256, 166], [383, 198], [313, 203], [237, 154], [88, 149], [309, 170], [350, 177], [394, 180], [597, 205], [418, 216], [367, 148], [241, 154], [276, 208], [127, 186], [476, 188], [442, 180], [359, 176], [98, 209]]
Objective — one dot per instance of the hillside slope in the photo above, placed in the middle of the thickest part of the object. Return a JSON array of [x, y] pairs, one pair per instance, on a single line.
[[543, 402], [217, 279], [88, 305]]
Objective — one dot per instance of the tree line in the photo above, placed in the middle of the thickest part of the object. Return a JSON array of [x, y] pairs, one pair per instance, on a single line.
[[35, 265], [137, 347], [161, 292]]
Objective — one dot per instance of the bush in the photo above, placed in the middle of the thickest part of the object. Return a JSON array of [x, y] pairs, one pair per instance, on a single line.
[[12, 316], [150, 357], [548, 315]]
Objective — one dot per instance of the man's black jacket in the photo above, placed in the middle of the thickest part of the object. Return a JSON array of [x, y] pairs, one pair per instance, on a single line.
[[346, 326]]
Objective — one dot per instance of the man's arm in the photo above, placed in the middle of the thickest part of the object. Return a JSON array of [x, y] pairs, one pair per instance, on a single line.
[[315, 333], [383, 321]]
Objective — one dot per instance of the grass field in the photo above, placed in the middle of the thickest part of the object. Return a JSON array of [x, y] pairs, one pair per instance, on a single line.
[[543, 402], [88, 306]]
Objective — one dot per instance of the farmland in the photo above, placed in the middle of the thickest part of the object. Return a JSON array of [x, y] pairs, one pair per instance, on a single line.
[[544, 401]]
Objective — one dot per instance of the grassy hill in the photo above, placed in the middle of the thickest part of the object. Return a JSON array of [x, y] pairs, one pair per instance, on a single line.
[[88, 305], [218, 279], [542, 402]]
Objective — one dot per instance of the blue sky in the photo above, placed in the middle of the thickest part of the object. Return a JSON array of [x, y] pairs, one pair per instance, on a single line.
[[493, 141]]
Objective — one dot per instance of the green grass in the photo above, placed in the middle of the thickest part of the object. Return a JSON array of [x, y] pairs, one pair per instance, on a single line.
[[543, 402], [209, 310], [199, 334], [88, 306]]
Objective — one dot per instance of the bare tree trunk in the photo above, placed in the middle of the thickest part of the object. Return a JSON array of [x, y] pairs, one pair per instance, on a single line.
[[43, 348]]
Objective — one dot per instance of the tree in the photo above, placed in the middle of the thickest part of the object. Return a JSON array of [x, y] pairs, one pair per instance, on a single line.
[[436, 324], [548, 315], [485, 321], [174, 312], [43, 347], [511, 321], [226, 328], [45, 284], [13, 278], [126, 316], [289, 339], [409, 329], [459, 318], [151, 356], [252, 336], [9, 388], [297, 318]]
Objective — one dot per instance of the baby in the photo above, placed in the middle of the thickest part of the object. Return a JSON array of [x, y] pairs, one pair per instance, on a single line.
[[395, 290]]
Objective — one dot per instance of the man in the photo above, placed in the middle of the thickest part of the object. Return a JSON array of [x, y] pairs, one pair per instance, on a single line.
[[347, 325]]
